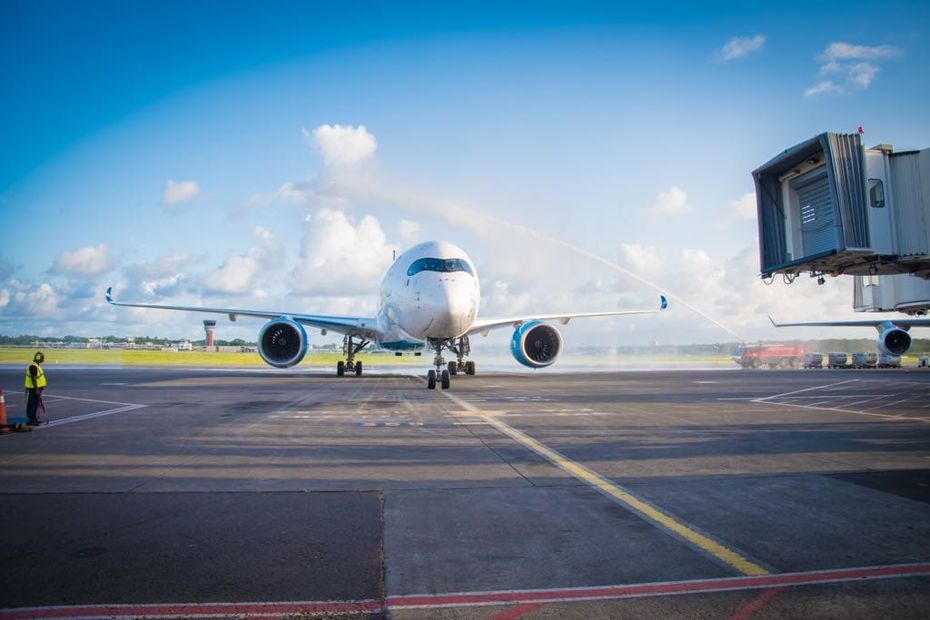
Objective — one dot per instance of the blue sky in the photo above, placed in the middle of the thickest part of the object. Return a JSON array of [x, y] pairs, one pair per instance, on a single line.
[[172, 150]]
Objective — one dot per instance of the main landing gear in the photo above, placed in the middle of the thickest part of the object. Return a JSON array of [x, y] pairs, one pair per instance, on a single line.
[[443, 372], [349, 349]]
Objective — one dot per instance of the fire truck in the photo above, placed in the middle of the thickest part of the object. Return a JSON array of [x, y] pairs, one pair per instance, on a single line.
[[770, 355]]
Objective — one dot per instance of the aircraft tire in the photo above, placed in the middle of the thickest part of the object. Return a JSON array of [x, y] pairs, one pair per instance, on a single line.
[[358, 369], [469, 368], [445, 380], [431, 380], [453, 368], [340, 368]]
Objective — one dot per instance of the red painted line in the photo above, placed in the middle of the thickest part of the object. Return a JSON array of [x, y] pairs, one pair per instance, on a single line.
[[755, 604], [658, 589], [515, 612], [193, 610], [513, 597]]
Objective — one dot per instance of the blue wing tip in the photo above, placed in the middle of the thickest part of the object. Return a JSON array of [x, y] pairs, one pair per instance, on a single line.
[[110, 294], [663, 302]]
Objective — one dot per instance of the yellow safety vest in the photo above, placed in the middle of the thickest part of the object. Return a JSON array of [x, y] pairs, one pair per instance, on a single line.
[[40, 377]]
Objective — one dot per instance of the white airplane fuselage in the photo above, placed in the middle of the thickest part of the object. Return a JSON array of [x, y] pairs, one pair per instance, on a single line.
[[430, 292]]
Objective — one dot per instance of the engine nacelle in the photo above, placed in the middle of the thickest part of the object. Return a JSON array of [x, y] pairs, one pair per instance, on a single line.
[[536, 344], [282, 342], [894, 341]]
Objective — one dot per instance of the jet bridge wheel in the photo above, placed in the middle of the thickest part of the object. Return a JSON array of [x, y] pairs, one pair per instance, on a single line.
[[358, 369], [340, 368], [445, 380], [431, 379]]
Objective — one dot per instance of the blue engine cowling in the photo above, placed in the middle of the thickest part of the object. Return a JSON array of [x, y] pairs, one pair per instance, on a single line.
[[894, 341], [536, 344], [282, 342]]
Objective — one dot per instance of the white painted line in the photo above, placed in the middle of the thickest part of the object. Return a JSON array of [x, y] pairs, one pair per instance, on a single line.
[[877, 415], [816, 387], [86, 400], [88, 416]]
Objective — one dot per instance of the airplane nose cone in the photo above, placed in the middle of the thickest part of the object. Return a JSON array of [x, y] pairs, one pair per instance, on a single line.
[[452, 310]]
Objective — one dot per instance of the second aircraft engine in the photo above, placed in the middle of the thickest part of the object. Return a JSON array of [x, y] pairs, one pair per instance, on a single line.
[[282, 342], [894, 341], [536, 344]]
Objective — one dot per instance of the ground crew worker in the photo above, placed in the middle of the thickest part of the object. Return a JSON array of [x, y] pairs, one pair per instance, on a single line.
[[35, 383]]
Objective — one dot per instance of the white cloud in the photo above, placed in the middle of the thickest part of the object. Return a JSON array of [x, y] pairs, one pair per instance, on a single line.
[[294, 193], [409, 231], [235, 276], [83, 262], [339, 257], [847, 51], [30, 301], [741, 209], [847, 66], [826, 86], [738, 47], [671, 202], [177, 192], [343, 144]]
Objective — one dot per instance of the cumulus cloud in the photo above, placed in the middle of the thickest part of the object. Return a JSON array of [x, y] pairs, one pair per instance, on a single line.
[[235, 276], [30, 301], [162, 276], [738, 47], [293, 193], [83, 262], [177, 192], [845, 66], [340, 257], [741, 209], [674, 201], [343, 144], [409, 231]]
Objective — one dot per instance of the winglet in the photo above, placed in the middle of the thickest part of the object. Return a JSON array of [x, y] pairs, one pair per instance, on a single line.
[[109, 294], [774, 324], [663, 302]]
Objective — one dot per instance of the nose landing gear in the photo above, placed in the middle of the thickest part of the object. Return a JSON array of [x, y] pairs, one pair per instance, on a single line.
[[461, 349]]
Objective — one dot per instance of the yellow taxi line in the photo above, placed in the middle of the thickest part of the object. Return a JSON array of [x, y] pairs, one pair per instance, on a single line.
[[647, 511]]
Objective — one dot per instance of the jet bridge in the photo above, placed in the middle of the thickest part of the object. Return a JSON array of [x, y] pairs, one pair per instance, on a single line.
[[829, 206]]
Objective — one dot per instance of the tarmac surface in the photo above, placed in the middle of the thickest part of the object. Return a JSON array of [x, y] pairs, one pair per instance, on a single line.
[[251, 493]]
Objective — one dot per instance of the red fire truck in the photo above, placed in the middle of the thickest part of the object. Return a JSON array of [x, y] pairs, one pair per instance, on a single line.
[[771, 355]]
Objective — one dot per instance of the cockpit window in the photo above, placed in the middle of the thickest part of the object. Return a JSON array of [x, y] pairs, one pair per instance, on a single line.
[[439, 264]]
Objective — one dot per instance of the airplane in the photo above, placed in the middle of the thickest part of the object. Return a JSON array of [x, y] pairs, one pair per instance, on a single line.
[[893, 338], [429, 299]]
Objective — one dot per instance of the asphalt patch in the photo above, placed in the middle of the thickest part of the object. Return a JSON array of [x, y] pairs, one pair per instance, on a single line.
[[78, 549]]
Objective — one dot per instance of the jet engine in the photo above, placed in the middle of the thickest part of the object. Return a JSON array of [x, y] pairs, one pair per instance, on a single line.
[[894, 341], [282, 342], [536, 344]]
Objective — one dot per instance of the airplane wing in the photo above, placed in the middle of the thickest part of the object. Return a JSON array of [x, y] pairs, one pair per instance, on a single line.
[[364, 327], [483, 326], [905, 323]]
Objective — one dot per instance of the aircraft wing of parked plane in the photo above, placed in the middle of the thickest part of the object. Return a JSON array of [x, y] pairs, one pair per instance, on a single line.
[[429, 299], [363, 327], [893, 338]]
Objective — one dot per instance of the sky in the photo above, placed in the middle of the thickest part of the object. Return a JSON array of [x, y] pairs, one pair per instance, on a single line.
[[275, 155]]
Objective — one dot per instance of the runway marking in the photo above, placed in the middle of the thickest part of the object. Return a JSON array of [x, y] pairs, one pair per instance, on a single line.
[[844, 407], [816, 387], [472, 599], [624, 497], [87, 416]]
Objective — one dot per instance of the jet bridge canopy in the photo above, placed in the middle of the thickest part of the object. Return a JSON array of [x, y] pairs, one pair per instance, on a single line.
[[811, 202]]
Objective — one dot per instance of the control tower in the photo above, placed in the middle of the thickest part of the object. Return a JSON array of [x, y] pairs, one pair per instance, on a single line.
[[209, 327]]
